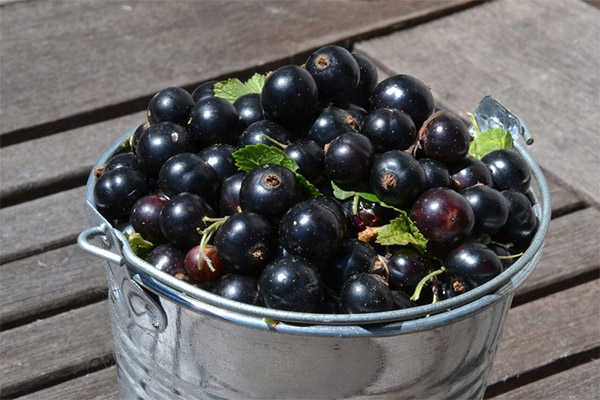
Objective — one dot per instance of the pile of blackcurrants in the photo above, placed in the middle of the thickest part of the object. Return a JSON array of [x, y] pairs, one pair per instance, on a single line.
[[317, 189]]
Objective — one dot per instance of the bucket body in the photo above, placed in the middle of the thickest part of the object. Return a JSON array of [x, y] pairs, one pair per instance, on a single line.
[[176, 341], [205, 356]]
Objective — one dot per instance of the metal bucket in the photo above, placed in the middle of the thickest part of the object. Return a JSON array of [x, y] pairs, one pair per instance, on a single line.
[[176, 341]]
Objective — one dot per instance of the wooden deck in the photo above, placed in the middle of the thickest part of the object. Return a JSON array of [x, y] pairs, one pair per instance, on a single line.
[[75, 76]]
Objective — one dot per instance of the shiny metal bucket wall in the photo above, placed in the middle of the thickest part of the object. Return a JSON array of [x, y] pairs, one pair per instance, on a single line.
[[175, 341]]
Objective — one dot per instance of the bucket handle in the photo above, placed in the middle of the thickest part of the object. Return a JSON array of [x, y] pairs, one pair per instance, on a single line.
[[83, 240]]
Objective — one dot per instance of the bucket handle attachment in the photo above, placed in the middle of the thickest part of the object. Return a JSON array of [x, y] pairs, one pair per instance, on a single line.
[[84, 238]]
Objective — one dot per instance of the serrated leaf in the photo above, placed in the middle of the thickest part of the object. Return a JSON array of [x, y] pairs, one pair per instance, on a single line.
[[249, 157], [312, 189], [342, 194], [401, 231], [232, 89], [140, 246], [255, 84], [490, 140]]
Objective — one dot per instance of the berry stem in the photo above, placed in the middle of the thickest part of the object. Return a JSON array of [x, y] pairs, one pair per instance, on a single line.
[[423, 281], [510, 257], [270, 139], [475, 126], [355, 204], [207, 235]]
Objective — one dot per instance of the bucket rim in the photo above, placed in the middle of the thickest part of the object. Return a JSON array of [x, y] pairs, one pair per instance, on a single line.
[[168, 286]]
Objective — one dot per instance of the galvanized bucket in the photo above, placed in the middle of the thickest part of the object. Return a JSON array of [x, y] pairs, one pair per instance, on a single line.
[[176, 341]]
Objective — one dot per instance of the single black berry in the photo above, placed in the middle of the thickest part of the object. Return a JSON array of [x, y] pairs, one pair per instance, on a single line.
[[335, 71], [389, 129], [348, 158], [249, 108], [397, 178], [170, 105], [214, 120]]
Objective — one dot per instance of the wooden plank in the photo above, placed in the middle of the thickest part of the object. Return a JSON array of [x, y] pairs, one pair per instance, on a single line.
[[64, 58], [571, 249], [582, 382], [54, 348], [548, 329], [52, 160], [548, 76], [562, 198], [100, 385], [42, 224], [57, 279]]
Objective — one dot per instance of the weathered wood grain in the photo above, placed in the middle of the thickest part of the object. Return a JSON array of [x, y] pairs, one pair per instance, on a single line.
[[571, 249], [52, 160], [42, 224], [63, 58], [100, 385], [548, 329], [54, 348], [582, 382], [57, 279], [539, 57]]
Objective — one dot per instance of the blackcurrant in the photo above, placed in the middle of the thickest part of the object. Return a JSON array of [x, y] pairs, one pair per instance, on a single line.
[[197, 267], [145, 218], [509, 170], [167, 258], [269, 190], [309, 157], [489, 206], [355, 256], [214, 120], [204, 91], [311, 230], [123, 160], [407, 267], [405, 93], [116, 191], [264, 132], [436, 173], [397, 178], [335, 71], [521, 223], [366, 293], [182, 218], [468, 172], [444, 137], [366, 214], [291, 284], [170, 105], [330, 124], [219, 157], [389, 129], [237, 287], [289, 96], [159, 143], [246, 242], [249, 108], [444, 217], [366, 84], [138, 134], [187, 172], [348, 158], [473, 264], [229, 201]]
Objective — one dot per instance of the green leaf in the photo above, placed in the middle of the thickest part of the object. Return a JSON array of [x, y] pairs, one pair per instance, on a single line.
[[255, 84], [490, 140], [483, 238], [401, 231], [249, 157], [232, 89], [140, 246], [312, 189], [342, 194]]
